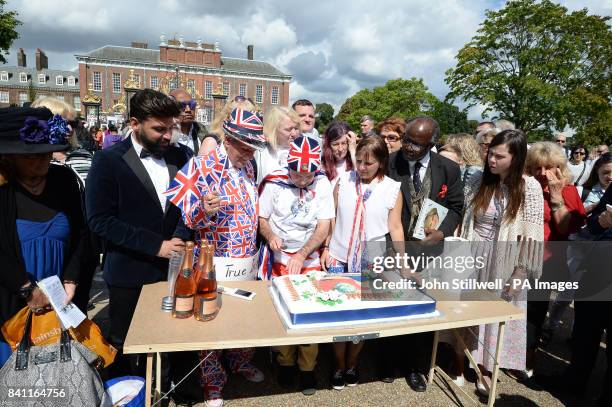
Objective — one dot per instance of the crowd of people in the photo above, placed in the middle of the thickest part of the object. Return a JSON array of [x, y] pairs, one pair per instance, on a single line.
[[275, 196]]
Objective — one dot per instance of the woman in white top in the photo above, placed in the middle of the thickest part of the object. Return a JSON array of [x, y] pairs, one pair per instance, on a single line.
[[281, 127], [368, 206], [579, 166], [339, 144]]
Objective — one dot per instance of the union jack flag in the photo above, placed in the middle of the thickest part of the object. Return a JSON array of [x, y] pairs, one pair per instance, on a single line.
[[183, 191], [304, 155]]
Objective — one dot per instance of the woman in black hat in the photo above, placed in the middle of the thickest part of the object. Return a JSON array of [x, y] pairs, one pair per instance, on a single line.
[[41, 216]]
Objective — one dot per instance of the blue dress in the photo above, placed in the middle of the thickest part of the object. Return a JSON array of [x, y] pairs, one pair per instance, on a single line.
[[43, 246]]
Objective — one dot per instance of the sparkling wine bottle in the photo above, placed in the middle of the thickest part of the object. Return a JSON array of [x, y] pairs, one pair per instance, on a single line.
[[206, 306], [185, 286]]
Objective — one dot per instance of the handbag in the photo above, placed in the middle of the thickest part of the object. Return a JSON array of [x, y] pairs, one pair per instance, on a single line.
[[52, 375]]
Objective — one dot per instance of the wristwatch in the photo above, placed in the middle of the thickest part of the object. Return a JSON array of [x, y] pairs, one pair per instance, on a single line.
[[25, 292]]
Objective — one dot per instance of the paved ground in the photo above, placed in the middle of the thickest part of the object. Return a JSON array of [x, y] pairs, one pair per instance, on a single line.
[[371, 392]]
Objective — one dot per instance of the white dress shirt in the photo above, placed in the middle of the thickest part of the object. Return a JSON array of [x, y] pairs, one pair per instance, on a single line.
[[186, 139], [157, 170], [424, 163]]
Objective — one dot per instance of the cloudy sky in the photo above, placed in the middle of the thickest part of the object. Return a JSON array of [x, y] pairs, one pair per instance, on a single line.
[[331, 48]]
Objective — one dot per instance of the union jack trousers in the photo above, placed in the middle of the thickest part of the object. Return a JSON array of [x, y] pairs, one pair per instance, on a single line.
[[212, 373]]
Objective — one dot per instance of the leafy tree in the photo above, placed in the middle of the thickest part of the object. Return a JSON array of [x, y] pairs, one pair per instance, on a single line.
[[450, 118], [324, 113], [398, 97], [539, 66], [31, 91], [8, 23]]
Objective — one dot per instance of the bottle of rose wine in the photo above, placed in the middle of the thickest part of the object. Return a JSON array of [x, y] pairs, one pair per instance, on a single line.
[[206, 306], [185, 286]]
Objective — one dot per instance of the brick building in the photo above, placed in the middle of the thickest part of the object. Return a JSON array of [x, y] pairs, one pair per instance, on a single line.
[[20, 84], [200, 68]]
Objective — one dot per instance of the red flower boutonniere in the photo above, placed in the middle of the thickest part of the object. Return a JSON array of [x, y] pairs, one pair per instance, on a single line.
[[442, 193]]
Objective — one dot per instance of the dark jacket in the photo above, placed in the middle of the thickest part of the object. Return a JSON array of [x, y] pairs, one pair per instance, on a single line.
[[124, 210], [443, 172], [62, 188]]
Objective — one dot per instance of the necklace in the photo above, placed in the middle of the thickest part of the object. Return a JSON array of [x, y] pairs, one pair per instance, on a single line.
[[36, 188]]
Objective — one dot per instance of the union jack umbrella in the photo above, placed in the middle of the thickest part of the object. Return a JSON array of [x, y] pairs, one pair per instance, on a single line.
[[304, 155]]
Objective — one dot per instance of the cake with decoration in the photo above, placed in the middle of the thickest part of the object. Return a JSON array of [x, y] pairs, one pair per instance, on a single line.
[[318, 299]]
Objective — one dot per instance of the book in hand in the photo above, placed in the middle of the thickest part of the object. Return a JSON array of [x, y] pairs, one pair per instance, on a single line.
[[69, 315], [431, 216]]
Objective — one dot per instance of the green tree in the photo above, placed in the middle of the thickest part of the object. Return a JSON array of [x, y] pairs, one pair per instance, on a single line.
[[539, 66], [398, 97], [450, 118], [325, 114], [8, 23], [31, 91]]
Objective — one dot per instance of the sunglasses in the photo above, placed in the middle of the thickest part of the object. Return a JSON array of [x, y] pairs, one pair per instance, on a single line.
[[560, 141], [241, 98], [407, 142], [579, 153], [191, 104], [390, 138]]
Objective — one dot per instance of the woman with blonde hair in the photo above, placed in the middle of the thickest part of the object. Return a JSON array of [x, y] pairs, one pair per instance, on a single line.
[[210, 143], [467, 153], [564, 215], [281, 127]]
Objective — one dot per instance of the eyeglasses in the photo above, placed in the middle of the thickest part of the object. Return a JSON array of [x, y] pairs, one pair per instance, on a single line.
[[601, 151], [560, 141], [390, 138], [407, 142], [191, 104]]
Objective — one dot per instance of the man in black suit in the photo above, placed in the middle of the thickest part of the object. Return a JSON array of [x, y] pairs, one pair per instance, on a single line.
[[423, 174], [127, 208]]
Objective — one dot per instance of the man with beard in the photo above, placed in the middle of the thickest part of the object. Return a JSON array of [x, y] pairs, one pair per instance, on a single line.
[[423, 174], [127, 208]]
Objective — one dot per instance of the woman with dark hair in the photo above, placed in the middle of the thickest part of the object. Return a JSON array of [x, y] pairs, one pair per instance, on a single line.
[[599, 180], [338, 150], [368, 207], [504, 218], [579, 165], [42, 227]]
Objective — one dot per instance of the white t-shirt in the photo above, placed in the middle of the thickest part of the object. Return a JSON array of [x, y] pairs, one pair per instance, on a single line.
[[377, 206], [576, 170], [268, 162], [340, 170], [158, 172], [293, 213]]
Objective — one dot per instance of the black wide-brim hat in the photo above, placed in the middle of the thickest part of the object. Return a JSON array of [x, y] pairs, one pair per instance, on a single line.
[[19, 137]]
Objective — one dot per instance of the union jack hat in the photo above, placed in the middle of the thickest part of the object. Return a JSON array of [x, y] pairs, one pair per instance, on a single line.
[[304, 155], [246, 127]]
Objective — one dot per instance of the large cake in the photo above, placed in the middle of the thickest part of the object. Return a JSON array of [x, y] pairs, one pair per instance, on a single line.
[[322, 300]]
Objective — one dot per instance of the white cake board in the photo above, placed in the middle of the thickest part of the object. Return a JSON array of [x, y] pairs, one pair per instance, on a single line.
[[284, 316]]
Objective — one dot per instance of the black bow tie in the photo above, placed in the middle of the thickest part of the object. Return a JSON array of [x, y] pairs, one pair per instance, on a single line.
[[145, 153]]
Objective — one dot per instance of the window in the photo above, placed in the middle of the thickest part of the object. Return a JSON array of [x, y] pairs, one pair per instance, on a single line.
[[3, 76], [274, 98], [59, 80], [116, 82], [4, 97], [97, 82], [71, 81], [226, 88], [137, 79], [42, 78], [23, 97], [76, 101], [258, 93], [23, 77], [190, 85], [60, 97], [242, 89], [154, 82], [208, 90]]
